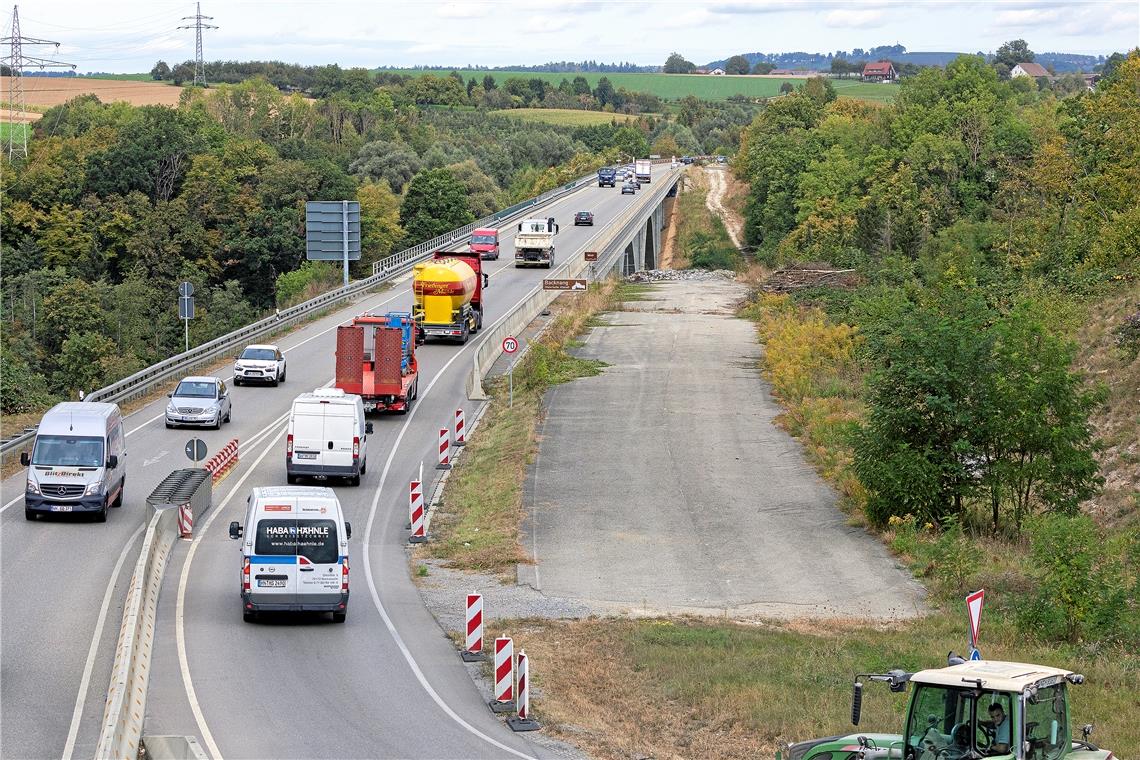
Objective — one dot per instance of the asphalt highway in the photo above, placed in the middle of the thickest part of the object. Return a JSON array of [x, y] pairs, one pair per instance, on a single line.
[[384, 684]]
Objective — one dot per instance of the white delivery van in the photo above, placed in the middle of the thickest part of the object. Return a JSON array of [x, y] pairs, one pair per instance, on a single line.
[[327, 436], [78, 462], [294, 552]]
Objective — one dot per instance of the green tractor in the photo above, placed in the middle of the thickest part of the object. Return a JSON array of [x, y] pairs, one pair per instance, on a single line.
[[967, 710]]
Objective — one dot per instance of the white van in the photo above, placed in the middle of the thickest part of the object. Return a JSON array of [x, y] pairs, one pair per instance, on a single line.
[[294, 552], [327, 436], [78, 462]]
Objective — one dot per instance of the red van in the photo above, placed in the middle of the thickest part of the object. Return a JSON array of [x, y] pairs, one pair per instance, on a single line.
[[485, 242]]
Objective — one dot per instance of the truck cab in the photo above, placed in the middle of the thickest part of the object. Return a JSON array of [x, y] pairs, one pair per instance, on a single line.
[[969, 709], [534, 242], [485, 242], [607, 176]]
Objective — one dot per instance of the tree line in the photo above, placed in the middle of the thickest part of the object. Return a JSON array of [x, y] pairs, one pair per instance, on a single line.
[[117, 204], [978, 213]]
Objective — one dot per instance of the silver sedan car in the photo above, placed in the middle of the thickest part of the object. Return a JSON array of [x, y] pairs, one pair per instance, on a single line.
[[201, 401]]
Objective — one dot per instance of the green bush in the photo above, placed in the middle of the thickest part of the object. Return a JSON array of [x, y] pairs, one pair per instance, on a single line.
[[312, 278], [709, 252]]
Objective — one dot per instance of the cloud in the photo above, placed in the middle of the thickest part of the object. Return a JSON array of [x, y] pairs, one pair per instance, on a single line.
[[464, 10], [854, 19], [686, 20], [1027, 18], [545, 24], [753, 7]]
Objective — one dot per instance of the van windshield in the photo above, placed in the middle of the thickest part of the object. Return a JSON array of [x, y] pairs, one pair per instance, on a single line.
[[313, 539], [68, 451], [483, 239]]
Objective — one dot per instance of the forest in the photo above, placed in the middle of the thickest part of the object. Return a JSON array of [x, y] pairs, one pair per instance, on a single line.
[[117, 204], [984, 223]]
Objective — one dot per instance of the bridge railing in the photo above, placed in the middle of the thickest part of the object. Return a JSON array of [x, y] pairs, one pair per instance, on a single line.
[[609, 245]]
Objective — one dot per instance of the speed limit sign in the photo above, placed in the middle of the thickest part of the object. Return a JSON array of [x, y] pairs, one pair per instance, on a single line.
[[510, 345]]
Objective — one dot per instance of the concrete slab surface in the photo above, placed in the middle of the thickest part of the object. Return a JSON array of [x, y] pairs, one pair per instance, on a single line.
[[663, 486]]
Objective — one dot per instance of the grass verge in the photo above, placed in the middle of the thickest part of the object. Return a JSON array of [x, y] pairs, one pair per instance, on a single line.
[[565, 116], [477, 526], [687, 688]]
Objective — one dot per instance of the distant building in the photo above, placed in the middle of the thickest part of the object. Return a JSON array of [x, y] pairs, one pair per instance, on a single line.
[[1032, 70], [880, 71], [1091, 80], [700, 71], [717, 72]]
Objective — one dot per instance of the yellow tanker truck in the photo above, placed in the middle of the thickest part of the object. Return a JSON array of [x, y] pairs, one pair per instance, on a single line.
[[448, 292]]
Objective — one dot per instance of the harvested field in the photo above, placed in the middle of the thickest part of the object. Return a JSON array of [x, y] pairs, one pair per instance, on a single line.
[[52, 91]]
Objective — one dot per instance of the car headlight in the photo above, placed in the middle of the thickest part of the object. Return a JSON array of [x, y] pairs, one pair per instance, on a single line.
[[171, 409], [94, 488], [32, 487], [239, 367]]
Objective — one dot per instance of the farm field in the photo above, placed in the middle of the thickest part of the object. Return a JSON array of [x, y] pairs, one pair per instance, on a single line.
[[53, 91], [666, 86], [879, 93], [568, 117], [6, 129]]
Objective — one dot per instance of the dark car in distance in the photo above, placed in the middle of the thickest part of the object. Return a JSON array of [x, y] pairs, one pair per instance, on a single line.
[[628, 187], [584, 217]]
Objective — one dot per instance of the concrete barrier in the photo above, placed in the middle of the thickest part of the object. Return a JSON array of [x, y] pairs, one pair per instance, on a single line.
[[126, 696], [522, 315], [173, 748]]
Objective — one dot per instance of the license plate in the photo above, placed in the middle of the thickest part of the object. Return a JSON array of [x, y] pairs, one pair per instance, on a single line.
[[305, 455], [270, 583], [61, 507]]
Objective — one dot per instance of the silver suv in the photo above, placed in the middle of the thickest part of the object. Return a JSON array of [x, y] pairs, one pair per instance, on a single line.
[[199, 401], [260, 364]]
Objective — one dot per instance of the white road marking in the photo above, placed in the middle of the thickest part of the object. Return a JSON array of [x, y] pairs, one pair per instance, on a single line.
[[368, 564], [154, 459], [180, 610], [81, 697]]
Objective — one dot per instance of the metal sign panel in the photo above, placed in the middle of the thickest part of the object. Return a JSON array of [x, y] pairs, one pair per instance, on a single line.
[[185, 289], [195, 449], [555, 284], [591, 255], [186, 307], [326, 230]]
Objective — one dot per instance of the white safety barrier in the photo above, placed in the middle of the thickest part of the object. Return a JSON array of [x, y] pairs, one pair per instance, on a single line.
[[126, 696], [460, 433], [504, 675], [474, 642], [416, 512], [491, 345], [444, 450]]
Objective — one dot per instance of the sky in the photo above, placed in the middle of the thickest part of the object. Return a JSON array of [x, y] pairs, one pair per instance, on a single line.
[[127, 36]]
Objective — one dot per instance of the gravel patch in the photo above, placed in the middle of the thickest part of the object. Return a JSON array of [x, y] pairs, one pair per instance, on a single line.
[[674, 275]]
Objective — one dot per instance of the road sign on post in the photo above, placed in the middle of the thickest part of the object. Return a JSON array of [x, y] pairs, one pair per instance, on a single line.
[[557, 284], [974, 608], [332, 232], [510, 345], [186, 309], [195, 450], [591, 255]]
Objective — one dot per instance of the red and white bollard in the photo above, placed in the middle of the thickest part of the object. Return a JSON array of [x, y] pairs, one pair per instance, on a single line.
[[523, 721], [185, 521], [444, 450], [460, 432], [416, 513], [473, 650], [504, 675]]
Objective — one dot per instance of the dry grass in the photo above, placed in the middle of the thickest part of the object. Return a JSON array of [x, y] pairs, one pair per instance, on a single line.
[[566, 116], [46, 92], [1117, 423], [478, 524], [687, 688]]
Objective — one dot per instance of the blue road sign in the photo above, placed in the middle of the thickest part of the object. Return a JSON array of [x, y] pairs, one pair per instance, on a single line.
[[975, 654]]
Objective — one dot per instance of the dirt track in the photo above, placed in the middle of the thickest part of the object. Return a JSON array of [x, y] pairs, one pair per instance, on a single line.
[[718, 187]]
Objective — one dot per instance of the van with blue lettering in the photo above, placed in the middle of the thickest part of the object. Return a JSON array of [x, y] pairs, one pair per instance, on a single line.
[[294, 552]]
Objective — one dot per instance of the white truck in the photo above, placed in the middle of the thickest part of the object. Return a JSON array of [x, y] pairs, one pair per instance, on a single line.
[[534, 242], [643, 169]]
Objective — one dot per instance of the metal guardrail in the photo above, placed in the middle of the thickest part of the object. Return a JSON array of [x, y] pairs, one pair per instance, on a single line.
[[609, 249], [144, 380]]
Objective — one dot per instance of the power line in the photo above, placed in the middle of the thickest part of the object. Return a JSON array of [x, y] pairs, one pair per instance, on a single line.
[[16, 62], [198, 18]]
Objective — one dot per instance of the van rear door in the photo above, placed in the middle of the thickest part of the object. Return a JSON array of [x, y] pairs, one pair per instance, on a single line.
[[308, 432], [339, 431], [273, 565], [318, 561]]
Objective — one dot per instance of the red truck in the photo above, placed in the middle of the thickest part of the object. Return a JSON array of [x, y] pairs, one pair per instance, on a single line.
[[376, 360]]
